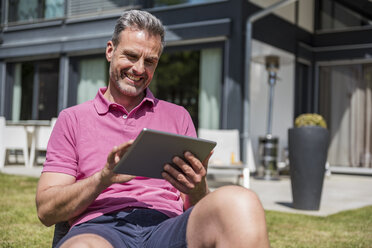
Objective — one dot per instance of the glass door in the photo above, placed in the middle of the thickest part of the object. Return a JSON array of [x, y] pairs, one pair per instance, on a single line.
[[346, 103], [35, 90], [47, 104]]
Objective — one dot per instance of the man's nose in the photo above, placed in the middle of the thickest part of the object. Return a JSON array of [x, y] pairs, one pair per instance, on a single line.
[[139, 66]]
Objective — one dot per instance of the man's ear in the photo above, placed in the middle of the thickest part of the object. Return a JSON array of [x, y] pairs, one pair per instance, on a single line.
[[109, 50]]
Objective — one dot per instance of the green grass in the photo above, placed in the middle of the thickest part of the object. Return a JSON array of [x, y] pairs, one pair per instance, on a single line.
[[19, 224], [346, 229], [20, 227]]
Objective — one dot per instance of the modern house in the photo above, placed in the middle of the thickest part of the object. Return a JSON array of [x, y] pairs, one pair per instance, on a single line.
[[52, 57]]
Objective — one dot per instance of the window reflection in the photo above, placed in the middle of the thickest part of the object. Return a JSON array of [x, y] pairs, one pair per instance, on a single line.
[[192, 79], [337, 14], [31, 10], [182, 85]]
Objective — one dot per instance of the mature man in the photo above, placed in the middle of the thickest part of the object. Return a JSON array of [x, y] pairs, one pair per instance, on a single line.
[[112, 210]]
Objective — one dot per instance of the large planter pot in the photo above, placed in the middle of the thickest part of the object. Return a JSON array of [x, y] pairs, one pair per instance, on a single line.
[[308, 149]]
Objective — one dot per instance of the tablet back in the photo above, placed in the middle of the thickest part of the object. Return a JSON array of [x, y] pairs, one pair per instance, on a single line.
[[153, 149]]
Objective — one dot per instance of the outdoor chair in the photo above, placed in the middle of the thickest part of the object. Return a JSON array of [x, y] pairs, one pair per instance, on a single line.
[[42, 135], [60, 230], [12, 137], [226, 157]]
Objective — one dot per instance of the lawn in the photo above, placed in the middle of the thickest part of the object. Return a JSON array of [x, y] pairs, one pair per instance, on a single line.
[[20, 227]]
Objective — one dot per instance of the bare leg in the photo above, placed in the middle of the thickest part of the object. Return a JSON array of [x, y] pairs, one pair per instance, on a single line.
[[86, 241], [231, 216]]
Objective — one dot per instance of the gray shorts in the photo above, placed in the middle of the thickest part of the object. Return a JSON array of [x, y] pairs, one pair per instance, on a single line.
[[136, 228]]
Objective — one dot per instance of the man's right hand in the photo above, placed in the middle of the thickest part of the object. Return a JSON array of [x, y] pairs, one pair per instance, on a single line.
[[107, 176]]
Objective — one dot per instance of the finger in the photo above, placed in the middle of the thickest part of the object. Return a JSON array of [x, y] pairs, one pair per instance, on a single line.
[[117, 158], [197, 166], [111, 156], [206, 160], [125, 178], [120, 151], [179, 176], [186, 168], [175, 183], [123, 148]]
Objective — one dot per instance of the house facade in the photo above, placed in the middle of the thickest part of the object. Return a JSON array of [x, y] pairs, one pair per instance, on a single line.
[[52, 57]]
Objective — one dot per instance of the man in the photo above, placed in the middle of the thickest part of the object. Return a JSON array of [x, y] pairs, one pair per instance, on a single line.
[[111, 210]]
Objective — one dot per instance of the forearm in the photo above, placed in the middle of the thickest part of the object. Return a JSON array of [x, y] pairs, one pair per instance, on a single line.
[[63, 202]]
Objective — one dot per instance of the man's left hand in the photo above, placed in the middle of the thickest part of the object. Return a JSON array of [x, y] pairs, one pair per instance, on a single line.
[[188, 176]]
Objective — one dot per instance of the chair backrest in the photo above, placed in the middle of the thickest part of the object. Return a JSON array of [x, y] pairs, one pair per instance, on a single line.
[[227, 150], [12, 137], [15, 137], [43, 135], [60, 230]]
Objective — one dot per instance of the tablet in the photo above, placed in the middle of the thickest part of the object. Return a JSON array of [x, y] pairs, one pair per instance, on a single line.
[[152, 149]]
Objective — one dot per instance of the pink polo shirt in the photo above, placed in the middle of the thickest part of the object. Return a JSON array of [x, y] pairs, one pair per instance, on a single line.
[[84, 135]]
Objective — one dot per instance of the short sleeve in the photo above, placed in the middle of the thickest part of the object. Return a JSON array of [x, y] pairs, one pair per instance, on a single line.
[[61, 153], [188, 125]]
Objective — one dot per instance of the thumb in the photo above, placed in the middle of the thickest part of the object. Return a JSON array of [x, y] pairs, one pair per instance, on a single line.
[[206, 160]]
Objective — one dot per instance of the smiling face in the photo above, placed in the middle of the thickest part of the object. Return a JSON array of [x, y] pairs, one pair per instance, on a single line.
[[133, 62]]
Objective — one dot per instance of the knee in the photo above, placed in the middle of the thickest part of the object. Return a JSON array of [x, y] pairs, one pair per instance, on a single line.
[[236, 197], [232, 216]]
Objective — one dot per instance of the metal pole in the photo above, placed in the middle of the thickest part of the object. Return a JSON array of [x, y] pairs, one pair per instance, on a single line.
[[248, 54], [272, 78], [245, 134]]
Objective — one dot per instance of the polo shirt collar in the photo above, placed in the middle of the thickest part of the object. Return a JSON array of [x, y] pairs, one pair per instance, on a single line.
[[102, 105]]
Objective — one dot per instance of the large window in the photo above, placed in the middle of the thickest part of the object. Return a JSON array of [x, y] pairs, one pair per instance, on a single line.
[[87, 74], [177, 80], [20, 11], [76, 8], [192, 79], [338, 14], [93, 75], [158, 3], [34, 90]]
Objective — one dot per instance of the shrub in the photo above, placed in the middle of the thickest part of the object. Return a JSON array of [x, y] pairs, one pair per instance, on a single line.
[[310, 120]]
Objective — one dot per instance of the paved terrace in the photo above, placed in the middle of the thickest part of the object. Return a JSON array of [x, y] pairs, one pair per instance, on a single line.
[[340, 192]]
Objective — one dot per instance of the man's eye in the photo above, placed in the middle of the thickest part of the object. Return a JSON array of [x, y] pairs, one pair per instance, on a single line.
[[149, 62], [131, 56]]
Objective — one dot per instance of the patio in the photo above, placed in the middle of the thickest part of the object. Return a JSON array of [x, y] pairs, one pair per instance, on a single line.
[[340, 192]]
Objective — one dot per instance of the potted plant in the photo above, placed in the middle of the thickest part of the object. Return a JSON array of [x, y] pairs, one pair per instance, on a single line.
[[308, 148]]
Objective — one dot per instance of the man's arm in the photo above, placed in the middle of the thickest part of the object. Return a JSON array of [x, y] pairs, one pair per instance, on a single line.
[[59, 197], [190, 180]]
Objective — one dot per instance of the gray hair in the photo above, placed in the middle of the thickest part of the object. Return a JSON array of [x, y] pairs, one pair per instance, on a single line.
[[141, 20]]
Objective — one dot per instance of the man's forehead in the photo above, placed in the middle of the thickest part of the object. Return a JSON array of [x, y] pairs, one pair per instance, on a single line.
[[135, 40], [146, 33]]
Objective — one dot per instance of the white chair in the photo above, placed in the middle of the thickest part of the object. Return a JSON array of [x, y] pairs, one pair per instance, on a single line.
[[226, 157], [41, 139], [12, 137]]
